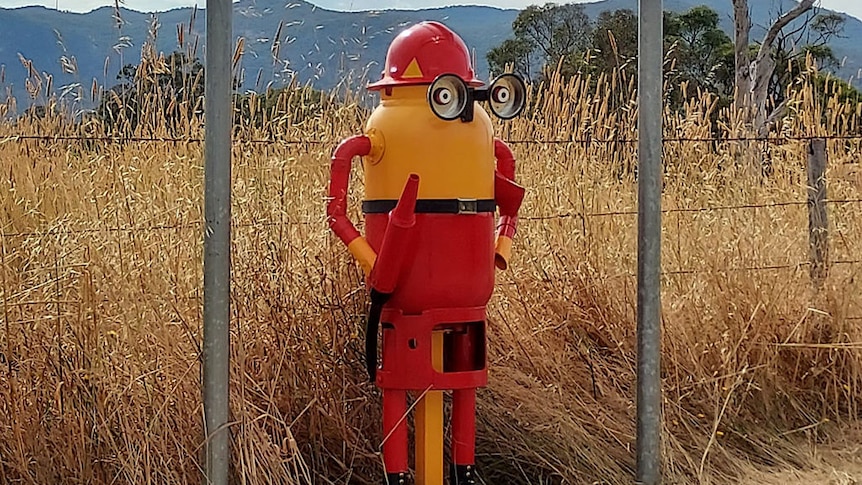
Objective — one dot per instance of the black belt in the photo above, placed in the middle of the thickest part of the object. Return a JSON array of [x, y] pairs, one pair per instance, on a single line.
[[433, 206]]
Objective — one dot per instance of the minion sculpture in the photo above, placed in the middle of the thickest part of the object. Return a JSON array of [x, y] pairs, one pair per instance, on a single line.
[[435, 177]]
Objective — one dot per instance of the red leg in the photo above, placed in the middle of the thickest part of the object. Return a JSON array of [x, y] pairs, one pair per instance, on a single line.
[[467, 353], [395, 431], [464, 426]]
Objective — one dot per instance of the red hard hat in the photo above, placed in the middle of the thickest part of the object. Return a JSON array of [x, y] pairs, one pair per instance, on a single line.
[[421, 53]]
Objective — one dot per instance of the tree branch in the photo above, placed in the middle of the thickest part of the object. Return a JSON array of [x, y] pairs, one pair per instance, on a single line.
[[790, 16], [764, 63], [773, 117], [799, 32]]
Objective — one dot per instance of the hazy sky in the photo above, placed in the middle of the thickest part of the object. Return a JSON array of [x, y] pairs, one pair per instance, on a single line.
[[852, 7]]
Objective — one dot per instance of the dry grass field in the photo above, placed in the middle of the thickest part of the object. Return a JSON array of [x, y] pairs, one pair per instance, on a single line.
[[100, 330]]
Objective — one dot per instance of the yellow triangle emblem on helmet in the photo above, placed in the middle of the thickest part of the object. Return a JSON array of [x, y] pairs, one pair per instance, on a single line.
[[412, 71]]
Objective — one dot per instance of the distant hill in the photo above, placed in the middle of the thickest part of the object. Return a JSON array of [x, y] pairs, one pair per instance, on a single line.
[[317, 44]]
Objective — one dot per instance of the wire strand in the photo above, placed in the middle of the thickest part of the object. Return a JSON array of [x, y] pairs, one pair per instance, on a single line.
[[772, 267], [146, 229], [686, 210], [143, 139], [573, 141], [767, 139]]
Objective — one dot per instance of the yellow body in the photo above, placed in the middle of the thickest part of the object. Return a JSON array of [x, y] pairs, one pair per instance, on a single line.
[[453, 159]]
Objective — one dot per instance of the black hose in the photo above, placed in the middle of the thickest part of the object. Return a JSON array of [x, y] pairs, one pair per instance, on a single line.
[[378, 300]]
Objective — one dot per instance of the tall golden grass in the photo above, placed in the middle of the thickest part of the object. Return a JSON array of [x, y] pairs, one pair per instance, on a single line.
[[101, 290]]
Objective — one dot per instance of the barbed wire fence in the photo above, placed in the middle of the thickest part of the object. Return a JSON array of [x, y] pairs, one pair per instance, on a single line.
[[817, 202], [572, 140]]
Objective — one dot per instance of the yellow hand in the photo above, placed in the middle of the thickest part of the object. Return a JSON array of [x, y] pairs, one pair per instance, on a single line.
[[503, 252], [363, 254]]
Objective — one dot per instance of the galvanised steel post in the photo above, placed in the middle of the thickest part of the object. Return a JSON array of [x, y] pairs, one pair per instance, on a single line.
[[217, 154], [650, 80]]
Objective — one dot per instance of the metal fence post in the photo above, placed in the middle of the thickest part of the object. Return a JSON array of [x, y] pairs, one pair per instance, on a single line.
[[217, 153], [650, 81], [818, 224]]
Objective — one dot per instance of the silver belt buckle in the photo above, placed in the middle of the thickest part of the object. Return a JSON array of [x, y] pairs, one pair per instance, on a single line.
[[468, 206]]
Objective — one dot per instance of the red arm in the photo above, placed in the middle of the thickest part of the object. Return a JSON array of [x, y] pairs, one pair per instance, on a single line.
[[336, 208], [508, 196]]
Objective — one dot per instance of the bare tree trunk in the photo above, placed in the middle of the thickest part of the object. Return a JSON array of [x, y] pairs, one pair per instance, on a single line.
[[764, 64], [752, 78], [742, 29]]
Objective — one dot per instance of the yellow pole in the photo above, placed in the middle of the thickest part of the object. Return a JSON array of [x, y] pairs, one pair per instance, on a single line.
[[429, 426]]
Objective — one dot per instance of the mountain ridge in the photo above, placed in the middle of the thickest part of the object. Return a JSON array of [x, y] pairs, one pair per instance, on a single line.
[[317, 45]]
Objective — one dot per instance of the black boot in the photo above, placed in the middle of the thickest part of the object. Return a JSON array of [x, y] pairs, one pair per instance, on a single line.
[[396, 479], [463, 475]]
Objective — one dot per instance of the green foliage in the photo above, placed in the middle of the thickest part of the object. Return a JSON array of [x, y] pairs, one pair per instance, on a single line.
[[513, 55], [615, 42], [551, 35], [275, 109], [846, 92], [119, 109], [700, 55], [173, 86], [41, 112], [829, 87]]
